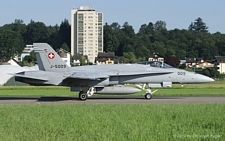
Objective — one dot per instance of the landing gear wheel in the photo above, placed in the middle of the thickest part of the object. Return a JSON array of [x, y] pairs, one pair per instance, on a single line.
[[82, 96], [148, 96]]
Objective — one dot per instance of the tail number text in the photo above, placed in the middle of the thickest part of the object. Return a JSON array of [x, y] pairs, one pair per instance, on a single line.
[[58, 66]]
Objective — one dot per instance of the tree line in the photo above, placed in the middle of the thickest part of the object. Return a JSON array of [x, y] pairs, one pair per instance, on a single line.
[[15, 36], [195, 41]]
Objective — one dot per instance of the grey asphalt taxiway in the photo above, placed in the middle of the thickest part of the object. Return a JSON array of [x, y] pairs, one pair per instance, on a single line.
[[110, 100]]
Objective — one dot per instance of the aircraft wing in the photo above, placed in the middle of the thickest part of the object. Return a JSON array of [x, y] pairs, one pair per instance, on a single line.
[[88, 75], [143, 73]]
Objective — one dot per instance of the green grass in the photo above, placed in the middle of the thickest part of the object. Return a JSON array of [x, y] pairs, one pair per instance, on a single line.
[[35, 91], [113, 122], [215, 84]]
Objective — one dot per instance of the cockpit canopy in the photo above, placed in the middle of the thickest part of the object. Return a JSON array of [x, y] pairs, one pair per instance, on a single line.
[[156, 64]]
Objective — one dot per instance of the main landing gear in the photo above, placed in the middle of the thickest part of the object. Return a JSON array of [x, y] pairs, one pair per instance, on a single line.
[[84, 95], [148, 96]]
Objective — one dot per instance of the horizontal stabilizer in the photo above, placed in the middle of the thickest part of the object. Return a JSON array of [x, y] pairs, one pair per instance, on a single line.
[[88, 75], [30, 77]]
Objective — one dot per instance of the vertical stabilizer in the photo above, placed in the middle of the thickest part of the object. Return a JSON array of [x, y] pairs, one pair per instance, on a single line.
[[48, 59]]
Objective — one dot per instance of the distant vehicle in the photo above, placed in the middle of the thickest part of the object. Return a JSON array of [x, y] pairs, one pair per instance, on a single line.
[[101, 79]]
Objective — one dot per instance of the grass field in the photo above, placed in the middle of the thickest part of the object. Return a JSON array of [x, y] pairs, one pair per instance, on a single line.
[[113, 122], [215, 88]]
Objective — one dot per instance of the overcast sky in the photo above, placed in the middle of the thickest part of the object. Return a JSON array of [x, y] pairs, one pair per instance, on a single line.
[[176, 13]]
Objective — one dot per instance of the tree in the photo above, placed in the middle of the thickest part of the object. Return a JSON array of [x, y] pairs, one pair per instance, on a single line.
[[17, 26], [198, 25], [128, 30], [170, 52], [171, 47], [160, 25], [29, 60], [37, 32], [130, 56], [126, 44], [191, 26], [146, 29], [115, 26], [65, 33], [142, 51], [151, 26], [143, 29], [206, 72], [113, 38], [11, 43], [82, 60], [195, 42], [65, 47], [214, 73], [159, 47], [109, 39], [55, 39], [181, 53]]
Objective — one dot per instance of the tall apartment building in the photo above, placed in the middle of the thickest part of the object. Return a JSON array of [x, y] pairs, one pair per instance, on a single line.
[[86, 32]]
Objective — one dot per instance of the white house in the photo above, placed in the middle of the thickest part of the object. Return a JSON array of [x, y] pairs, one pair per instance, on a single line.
[[26, 51], [65, 55], [220, 60]]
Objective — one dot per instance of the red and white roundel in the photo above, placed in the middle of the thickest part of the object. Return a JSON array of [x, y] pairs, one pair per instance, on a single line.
[[51, 55]]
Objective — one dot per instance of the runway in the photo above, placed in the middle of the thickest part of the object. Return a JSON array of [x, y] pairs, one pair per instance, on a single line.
[[111, 100]]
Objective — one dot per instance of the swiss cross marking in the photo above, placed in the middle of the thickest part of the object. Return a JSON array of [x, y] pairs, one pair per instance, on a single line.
[[51, 55]]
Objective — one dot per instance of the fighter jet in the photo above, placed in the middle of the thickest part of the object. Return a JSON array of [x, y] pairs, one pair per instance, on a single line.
[[102, 79]]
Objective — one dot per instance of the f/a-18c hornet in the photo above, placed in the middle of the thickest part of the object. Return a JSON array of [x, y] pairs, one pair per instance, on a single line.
[[102, 79]]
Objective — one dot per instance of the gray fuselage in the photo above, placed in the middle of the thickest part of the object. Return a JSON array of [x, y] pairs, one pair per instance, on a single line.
[[118, 74]]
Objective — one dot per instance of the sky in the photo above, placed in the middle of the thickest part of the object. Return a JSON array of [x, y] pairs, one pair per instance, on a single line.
[[176, 13]]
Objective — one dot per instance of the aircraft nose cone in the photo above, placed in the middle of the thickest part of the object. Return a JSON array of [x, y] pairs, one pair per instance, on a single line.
[[211, 80], [206, 79]]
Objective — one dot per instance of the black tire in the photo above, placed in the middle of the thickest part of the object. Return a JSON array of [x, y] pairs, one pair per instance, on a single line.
[[82, 96], [148, 96]]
